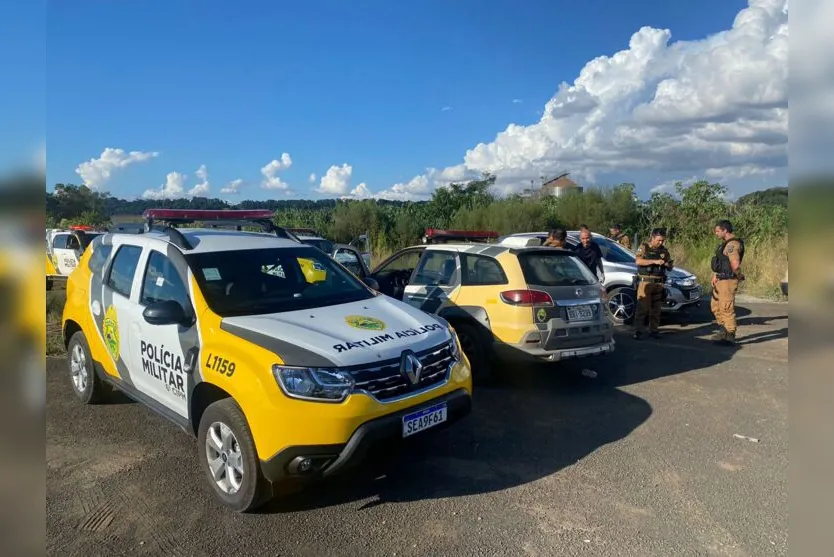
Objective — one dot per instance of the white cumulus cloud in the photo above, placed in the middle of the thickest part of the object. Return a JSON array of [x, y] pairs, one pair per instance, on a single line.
[[173, 188], [312, 178], [718, 105], [96, 172], [232, 187], [336, 180], [271, 181], [201, 189]]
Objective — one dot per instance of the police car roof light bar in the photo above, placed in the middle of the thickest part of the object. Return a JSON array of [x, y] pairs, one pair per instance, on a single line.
[[213, 218], [436, 235], [191, 215]]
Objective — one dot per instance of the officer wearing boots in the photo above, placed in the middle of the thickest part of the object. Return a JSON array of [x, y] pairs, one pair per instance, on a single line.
[[614, 233], [726, 268], [653, 262]]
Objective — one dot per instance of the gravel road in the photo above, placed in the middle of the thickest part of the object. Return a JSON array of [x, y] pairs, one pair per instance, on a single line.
[[641, 460]]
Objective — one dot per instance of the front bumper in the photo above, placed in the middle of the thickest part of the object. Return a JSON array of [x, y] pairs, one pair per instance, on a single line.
[[301, 464], [678, 298]]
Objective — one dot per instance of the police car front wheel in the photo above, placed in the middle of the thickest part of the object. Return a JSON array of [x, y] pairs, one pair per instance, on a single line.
[[85, 383], [228, 456]]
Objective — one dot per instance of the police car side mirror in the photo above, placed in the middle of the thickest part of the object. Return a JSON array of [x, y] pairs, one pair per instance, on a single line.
[[371, 283], [168, 312]]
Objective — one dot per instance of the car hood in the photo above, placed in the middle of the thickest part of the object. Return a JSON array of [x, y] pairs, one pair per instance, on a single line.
[[674, 274], [350, 334]]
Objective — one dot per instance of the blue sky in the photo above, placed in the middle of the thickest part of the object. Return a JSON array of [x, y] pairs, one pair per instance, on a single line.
[[233, 86]]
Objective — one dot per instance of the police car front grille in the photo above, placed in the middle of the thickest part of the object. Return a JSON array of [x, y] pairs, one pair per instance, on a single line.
[[385, 381]]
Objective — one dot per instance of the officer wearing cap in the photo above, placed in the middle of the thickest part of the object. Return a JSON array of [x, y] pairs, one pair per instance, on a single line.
[[653, 261], [616, 234], [726, 268]]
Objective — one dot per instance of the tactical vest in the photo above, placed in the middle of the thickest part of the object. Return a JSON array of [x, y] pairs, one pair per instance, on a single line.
[[658, 271], [721, 263]]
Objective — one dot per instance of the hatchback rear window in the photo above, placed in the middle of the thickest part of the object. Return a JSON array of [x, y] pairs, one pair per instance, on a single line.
[[554, 269]]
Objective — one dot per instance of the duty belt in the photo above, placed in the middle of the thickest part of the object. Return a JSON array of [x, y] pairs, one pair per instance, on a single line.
[[649, 278]]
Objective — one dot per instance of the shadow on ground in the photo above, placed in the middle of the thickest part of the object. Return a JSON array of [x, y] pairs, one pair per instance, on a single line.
[[530, 422]]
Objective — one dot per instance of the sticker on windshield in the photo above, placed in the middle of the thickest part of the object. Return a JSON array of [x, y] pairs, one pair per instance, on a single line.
[[160, 281], [211, 273]]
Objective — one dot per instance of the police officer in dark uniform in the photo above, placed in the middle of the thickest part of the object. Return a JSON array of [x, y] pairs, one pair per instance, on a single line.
[[653, 262]]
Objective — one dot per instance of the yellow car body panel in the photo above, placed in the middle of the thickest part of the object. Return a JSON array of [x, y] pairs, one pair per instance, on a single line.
[[508, 323], [268, 410]]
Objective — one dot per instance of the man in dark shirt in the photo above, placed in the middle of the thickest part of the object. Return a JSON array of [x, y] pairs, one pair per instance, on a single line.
[[590, 253]]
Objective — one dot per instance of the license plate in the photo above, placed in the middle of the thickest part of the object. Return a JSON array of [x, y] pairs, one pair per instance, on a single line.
[[580, 313], [424, 419], [694, 294]]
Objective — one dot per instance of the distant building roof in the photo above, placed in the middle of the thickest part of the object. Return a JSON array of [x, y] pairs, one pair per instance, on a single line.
[[561, 181]]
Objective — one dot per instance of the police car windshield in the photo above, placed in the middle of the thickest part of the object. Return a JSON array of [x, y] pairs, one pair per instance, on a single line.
[[254, 282]]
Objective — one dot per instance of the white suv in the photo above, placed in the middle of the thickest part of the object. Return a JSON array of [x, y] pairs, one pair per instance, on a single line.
[[620, 266]]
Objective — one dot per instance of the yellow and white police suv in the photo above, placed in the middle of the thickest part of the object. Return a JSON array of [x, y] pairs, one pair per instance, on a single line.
[[283, 376]]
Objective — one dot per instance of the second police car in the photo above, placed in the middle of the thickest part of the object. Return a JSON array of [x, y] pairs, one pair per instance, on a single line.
[[281, 376]]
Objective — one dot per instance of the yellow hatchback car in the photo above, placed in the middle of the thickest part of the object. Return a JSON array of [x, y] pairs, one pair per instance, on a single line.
[[516, 301], [223, 333]]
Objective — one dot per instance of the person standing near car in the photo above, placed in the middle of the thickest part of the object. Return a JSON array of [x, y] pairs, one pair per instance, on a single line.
[[653, 262], [726, 268], [616, 234], [590, 253], [557, 238]]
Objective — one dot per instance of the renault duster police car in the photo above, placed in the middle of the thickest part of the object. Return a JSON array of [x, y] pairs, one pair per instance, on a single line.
[[280, 376]]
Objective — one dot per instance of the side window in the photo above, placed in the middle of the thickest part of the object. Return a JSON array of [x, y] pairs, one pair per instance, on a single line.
[[162, 282], [99, 257], [123, 269], [479, 270], [60, 241], [436, 269], [349, 260], [404, 262]]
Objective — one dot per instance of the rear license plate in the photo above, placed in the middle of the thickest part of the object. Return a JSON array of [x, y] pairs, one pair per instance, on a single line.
[[695, 294], [580, 313], [424, 419]]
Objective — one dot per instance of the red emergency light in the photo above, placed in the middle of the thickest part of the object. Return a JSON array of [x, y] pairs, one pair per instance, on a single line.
[[81, 227], [435, 234], [207, 214]]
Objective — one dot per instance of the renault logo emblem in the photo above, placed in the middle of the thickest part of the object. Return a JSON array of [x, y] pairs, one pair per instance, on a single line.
[[410, 367], [578, 292]]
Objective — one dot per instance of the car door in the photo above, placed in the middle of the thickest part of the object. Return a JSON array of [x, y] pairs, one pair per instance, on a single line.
[[435, 281], [350, 259], [114, 309], [63, 252], [393, 274], [166, 353]]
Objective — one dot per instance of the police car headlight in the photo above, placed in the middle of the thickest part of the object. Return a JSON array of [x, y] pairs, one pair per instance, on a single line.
[[454, 346], [315, 384]]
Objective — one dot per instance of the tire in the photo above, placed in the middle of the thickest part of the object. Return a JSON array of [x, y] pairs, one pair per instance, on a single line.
[[85, 382], [477, 351], [252, 489], [624, 311]]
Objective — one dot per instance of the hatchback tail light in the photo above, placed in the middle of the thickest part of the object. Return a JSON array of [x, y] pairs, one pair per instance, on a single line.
[[526, 298]]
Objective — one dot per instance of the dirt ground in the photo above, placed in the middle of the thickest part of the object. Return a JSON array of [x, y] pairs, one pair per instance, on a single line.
[[642, 460]]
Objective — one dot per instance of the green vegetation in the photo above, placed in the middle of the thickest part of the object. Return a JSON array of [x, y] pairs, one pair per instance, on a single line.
[[689, 216]]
